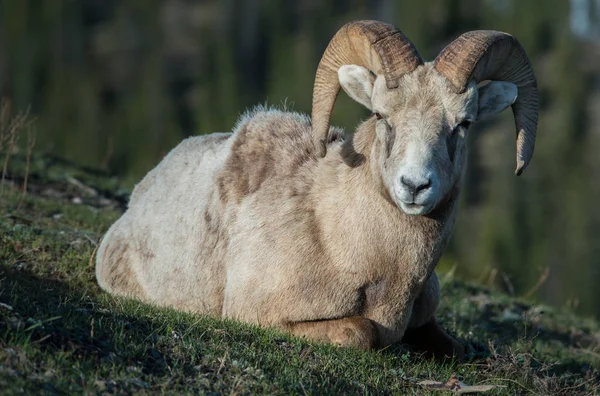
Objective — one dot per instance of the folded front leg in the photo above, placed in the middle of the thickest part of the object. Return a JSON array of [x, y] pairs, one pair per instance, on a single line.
[[354, 331], [423, 332]]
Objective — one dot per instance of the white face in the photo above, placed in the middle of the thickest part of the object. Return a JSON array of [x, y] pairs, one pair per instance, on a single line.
[[416, 184], [421, 130]]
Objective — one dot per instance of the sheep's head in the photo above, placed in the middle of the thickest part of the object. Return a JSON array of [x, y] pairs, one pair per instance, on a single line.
[[422, 111], [421, 128]]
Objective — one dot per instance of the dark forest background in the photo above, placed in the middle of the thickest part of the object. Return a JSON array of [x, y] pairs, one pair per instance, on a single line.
[[116, 84]]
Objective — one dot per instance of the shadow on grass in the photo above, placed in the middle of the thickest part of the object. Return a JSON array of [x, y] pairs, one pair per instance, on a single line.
[[78, 325], [56, 317], [517, 327]]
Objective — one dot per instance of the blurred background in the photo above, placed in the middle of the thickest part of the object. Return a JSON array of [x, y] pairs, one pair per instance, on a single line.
[[116, 84]]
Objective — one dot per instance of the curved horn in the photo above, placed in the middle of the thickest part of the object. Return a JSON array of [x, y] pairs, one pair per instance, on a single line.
[[489, 55], [377, 46]]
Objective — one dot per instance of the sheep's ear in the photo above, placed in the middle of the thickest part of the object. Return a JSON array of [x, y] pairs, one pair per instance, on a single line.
[[495, 97], [357, 82]]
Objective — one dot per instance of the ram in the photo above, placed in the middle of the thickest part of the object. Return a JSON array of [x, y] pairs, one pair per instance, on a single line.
[[288, 223]]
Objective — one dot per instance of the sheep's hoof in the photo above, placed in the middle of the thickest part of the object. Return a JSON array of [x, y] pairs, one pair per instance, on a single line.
[[433, 341]]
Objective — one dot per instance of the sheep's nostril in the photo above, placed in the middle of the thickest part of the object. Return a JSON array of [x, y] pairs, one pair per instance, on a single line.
[[415, 186], [423, 186]]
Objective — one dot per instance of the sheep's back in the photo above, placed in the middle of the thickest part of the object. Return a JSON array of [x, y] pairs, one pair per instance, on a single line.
[[175, 238], [268, 146]]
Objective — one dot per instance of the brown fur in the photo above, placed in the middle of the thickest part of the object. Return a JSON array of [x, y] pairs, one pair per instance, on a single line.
[[256, 226], [355, 331], [120, 278]]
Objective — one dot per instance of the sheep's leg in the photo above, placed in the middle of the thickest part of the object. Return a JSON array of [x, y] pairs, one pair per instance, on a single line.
[[433, 341], [114, 269], [354, 331], [423, 332]]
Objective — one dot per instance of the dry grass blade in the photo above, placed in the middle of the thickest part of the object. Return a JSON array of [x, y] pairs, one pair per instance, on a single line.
[[30, 145], [588, 352], [109, 153], [492, 277], [449, 275], [85, 189], [456, 386], [510, 289], [4, 121], [10, 129], [539, 283]]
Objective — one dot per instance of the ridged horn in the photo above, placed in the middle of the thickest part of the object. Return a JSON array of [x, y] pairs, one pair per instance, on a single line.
[[489, 55], [377, 46]]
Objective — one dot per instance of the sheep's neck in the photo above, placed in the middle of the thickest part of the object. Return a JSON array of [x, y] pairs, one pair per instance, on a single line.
[[414, 242]]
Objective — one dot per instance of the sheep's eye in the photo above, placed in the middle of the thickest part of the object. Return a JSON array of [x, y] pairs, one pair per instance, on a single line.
[[463, 125], [378, 116]]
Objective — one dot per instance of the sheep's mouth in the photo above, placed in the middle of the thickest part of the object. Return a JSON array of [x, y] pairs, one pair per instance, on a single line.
[[414, 209]]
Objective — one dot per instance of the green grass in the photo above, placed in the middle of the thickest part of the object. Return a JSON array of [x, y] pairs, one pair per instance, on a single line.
[[59, 333]]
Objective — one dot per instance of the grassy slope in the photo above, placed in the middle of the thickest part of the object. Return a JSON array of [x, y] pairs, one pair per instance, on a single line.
[[60, 333]]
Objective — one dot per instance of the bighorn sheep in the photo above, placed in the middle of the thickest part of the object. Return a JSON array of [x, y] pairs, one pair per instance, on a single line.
[[287, 224]]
